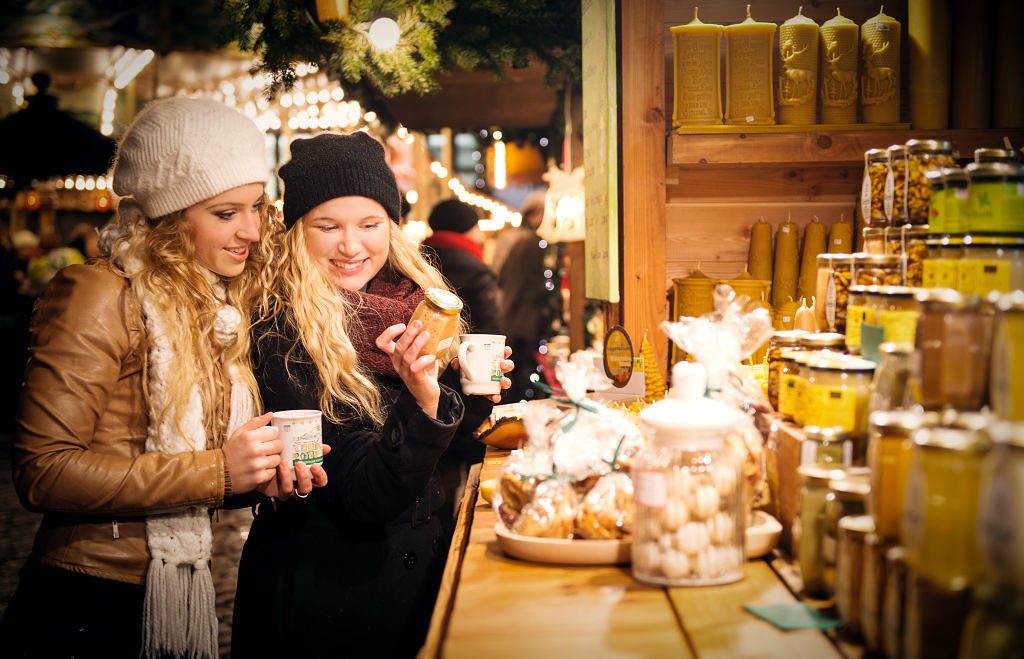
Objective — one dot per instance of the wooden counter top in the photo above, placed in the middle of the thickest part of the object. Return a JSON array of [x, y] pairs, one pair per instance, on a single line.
[[492, 605]]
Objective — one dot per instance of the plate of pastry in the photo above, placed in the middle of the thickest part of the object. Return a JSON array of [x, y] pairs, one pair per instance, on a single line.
[[563, 551]]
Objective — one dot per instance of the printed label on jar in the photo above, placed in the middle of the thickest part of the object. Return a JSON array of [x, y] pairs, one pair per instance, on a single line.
[[900, 326], [854, 319], [890, 194], [1000, 537], [833, 406], [787, 394], [865, 197], [990, 275], [941, 273], [651, 488], [967, 276], [830, 300]]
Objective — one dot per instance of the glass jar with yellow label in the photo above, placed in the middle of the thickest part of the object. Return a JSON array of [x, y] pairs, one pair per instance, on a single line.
[[889, 450], [924, 156], [941, 266], [877, 270], [895, 203], [891, 314], [991, 263], [996, 203], [781, 341], [910, 241], [831, 288], [893, 386], [940, 515], [874, 240], [838, 390], [823, 341], [1006, 391], [936, 200], [802, 404], [872, 193], [855, 317], [1002, 506], [1008, 156], [953, 342], [955, 198], [809, 524], [439, 313], [826, 447], [789, 374]]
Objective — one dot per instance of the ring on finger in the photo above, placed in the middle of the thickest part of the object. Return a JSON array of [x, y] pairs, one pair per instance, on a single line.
[[300, 495]]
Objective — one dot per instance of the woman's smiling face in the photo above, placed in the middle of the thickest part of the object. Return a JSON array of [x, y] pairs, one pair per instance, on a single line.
[[348, 237]]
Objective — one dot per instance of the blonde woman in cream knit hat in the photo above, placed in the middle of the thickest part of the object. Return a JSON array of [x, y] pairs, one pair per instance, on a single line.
[[139, 410]]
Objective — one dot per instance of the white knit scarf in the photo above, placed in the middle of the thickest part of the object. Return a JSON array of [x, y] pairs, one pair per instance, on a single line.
[[179, 618]]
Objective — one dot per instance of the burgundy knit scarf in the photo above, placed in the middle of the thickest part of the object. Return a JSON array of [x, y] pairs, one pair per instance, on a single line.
[[389, 299]]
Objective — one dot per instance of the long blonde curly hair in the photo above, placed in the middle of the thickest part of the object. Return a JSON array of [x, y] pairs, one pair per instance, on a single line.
[[163, 252], [319, 316]]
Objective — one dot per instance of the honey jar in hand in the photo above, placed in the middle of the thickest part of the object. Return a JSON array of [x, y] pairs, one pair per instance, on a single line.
[[439, 313]]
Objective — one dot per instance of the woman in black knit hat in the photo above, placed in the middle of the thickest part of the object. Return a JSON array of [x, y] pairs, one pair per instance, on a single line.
[[354, 569]]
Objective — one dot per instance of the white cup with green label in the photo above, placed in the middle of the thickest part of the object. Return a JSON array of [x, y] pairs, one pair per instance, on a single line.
[[480, 358], [301, 433]]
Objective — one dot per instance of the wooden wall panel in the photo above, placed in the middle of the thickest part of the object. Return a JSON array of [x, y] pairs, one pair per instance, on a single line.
[[713, 183]]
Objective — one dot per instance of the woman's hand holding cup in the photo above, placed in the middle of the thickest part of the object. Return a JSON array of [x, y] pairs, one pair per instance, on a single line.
[[483, 362]]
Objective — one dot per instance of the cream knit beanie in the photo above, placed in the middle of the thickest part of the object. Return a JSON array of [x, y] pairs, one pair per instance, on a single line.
[[180, 151]]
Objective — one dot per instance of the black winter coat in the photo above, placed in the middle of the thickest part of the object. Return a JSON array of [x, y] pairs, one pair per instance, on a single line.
[[475, 283], [353, 570]]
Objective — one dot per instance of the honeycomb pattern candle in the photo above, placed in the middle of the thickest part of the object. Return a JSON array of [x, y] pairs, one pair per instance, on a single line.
[[749, 80], [698, 73], [798, 48], [880, 79], [839, 70]]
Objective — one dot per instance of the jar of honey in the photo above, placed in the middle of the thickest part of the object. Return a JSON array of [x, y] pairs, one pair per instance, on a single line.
[[780, 341], [439, 313], [1006, 389], [924, 156]]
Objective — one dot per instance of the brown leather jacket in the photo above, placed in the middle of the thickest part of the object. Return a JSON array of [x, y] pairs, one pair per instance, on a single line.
[[79, 448]]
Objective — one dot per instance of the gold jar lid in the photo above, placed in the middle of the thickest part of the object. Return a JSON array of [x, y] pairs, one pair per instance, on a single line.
[[818, 475], [876, 156], [789, 355], [961, 440], [865, 259], [995, 155], [809, 357], [953, 177], [444, 301], [897, 152], [826, 433], [900, 423], [822, 340], [994, 171], [942, 299], [787, 337], [930, 147], [896, 291]]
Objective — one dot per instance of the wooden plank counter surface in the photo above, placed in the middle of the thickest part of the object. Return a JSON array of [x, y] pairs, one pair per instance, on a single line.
[[491, 605]]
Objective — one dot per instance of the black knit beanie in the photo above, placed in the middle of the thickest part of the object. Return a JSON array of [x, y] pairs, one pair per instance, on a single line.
[[452, 215], [329, 166]]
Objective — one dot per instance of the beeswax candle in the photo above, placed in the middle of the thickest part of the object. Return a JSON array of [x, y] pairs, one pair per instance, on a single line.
[[698, 73], [839, 70], [928, 32], [813, 244], [749, 79], [1007, 92], [786, 264], [880, 80], [971, 102], [798, 48], [759, 256]]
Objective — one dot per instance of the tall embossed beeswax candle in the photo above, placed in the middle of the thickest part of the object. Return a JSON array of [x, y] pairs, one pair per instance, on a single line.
[[798, 48], [839, 70], [880, 79], [698, 73], [748, 73]]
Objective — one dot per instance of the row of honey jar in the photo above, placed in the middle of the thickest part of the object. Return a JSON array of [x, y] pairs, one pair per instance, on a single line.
[[901, 543], [932, 347], [919, 183]]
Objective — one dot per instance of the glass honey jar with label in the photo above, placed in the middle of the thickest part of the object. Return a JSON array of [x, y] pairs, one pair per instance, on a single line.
[[439, 312]]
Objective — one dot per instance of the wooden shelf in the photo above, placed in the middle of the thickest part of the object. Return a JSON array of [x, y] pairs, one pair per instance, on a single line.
[[811, 148]]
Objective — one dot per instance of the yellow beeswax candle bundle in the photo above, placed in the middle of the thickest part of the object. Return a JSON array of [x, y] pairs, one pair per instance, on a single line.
[[880, 79], [698, 73], [749, 80], [798, 49], [839, 70]]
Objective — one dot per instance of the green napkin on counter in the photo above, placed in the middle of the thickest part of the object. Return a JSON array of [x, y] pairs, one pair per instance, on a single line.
[[794, 615]]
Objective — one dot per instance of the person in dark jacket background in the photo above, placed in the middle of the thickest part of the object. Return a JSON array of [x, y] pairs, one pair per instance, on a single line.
[[458, 243]]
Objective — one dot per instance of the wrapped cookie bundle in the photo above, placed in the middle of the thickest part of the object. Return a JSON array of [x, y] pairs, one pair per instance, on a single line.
[[570, 481]]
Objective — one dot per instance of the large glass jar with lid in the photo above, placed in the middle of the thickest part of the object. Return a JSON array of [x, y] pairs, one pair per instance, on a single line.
[[872, 192], [838, 390], [889, 450], [891, 316], [823, 341], [847, 495], [953, 342], [991, 263], [831, 288], [996, 203], [809, 527], [1006, 390], [896, 185], [781, 341], [688, 490], [874, 240], [940, 514], [909, 241], [954, 200], [1001, 528], [924, 156], [439, 313]]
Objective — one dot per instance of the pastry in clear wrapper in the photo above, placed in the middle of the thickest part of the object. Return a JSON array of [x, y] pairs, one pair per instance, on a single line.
[[516, 491], [551, 513], [606, 512]]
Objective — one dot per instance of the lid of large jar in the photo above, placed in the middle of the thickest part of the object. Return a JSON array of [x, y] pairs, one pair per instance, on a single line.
[[845, 364], [1010, 433], [951, 439], [995, 171], [820, 340], [1010, 302], [787, 337], [859, 524], [896, 291], [686, 415], [941, 299], [954, 177], [826, 433], [852, 482], [994, 240], [446, 302], [863, 259], [789, 354], [818, 475], [929, 146], [897, 152], [876, 156], [995, 155], [899, 423]]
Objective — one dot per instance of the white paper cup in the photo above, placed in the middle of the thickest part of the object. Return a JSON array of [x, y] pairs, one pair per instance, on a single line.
[[302, 436], [480, 358]]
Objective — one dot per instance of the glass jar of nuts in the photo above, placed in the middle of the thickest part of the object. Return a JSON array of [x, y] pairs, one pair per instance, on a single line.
[[877, 270], [910, 241], [923, 156], [872, 193], [831, 287], [895, 203]]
